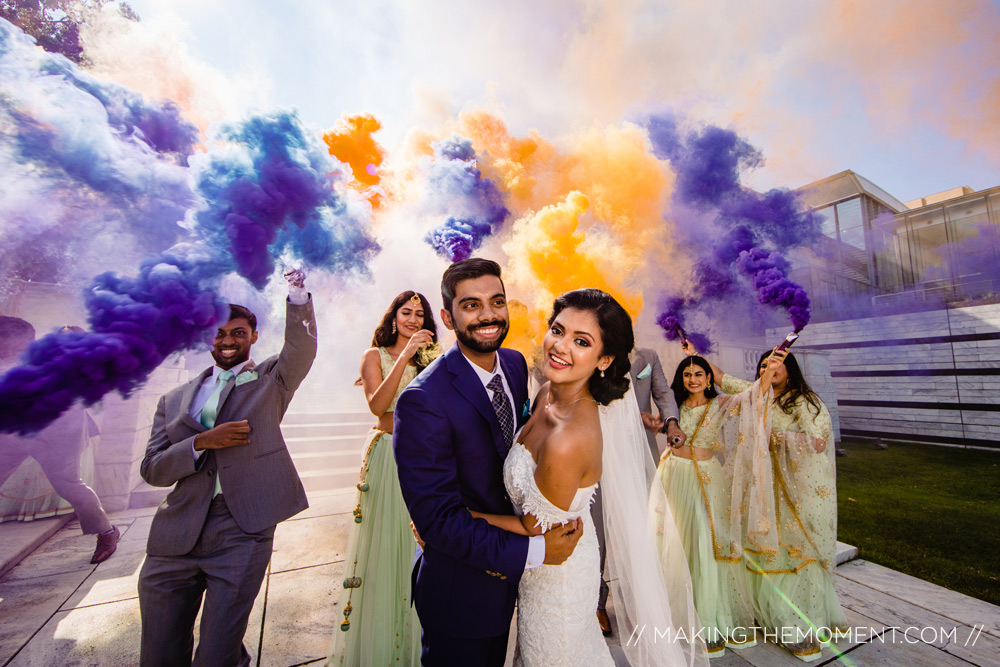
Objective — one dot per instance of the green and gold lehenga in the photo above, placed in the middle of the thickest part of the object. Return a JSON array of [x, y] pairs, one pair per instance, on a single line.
[[794, 588], [721, 508], [381, 627]]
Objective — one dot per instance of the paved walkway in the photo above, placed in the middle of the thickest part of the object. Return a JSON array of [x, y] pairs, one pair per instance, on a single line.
[[58, 609]]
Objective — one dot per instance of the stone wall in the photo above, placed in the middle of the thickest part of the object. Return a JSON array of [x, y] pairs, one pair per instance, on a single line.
[[125, 426], [931, 377]]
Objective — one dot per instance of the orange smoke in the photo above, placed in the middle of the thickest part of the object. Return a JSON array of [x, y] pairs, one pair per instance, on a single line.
[[549, 253], [589, 214], [351, 142]]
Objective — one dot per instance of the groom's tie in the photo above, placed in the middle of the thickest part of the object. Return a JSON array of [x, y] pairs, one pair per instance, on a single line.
[[504, 413], [211, 409]]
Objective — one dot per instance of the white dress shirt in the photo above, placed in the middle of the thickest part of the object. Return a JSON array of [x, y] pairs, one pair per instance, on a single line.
[[536, 543]]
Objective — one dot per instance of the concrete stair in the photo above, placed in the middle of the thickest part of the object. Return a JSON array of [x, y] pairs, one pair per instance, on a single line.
[[327, 448]]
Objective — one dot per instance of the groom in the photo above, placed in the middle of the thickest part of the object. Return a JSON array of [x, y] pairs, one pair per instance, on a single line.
[[453, 427]]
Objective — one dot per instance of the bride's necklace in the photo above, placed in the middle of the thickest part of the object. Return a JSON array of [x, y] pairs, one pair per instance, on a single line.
[[563, 405]]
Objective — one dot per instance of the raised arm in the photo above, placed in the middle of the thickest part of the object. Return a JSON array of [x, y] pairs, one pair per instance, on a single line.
[[776, 359], [428, 478], [380, 391]]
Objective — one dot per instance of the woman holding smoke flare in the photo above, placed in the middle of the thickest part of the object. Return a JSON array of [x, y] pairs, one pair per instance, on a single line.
[[721, 508], [380, 625], [794, 588]]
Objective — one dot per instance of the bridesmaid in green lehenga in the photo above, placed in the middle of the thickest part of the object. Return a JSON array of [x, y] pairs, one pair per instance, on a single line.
[[379, 625], [793, 589]]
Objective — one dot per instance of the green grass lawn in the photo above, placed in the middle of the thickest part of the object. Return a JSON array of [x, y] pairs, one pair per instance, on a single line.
[[931, 512]]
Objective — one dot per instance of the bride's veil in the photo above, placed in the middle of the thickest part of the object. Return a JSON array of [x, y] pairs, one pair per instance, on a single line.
[[650, 585]]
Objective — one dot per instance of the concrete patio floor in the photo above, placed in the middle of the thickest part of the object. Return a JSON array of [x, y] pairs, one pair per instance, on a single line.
[[58, 609]]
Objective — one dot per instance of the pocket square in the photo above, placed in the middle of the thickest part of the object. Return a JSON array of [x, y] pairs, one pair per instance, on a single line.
[[246, 376], [645, 372], [526, 410]]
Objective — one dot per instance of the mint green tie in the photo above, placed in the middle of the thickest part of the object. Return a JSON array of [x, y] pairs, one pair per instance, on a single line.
[[211, 409]]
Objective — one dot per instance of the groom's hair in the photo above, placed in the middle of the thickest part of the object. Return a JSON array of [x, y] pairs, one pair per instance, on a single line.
[[475, 267], [237, 311]]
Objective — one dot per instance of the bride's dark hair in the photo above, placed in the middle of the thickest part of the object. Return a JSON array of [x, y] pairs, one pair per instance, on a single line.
[[616, 337]]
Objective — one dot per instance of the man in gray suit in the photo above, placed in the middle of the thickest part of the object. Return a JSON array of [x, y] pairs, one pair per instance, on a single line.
[[652, 387], [218, 439]]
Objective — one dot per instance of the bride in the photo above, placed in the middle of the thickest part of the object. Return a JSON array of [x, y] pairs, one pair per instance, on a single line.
[[586, 428]]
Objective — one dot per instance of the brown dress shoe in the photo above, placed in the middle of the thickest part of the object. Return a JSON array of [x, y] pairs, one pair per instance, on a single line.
[[604, 622], [106, 545]]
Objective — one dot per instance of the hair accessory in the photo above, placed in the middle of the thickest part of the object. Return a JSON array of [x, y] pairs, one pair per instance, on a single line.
[[415, 300], [394, 326]]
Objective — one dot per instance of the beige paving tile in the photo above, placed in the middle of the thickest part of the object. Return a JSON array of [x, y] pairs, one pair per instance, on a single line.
[[67, 551], [19, 539], [974, 645], [956, 606], [124, 515], [770, 654], [105, 635], [323, 504], [885, 609], [27, 604], [301, 615], [113, 580], [310, 542], [878, 654], [137, 530]]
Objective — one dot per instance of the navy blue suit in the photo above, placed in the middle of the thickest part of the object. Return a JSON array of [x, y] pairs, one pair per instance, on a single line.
[[450, 452]]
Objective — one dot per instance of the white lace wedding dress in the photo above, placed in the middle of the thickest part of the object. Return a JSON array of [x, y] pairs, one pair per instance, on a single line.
[[556, 604]]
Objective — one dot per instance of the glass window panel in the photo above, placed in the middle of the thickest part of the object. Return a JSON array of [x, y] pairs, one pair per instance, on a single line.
[[973, 239], [929, 242], [995, 207], [827, 221], [854, 236], [849, 214]]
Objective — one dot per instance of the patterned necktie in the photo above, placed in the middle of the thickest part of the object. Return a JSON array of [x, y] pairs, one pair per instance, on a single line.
[[211, 409], [501, 405]]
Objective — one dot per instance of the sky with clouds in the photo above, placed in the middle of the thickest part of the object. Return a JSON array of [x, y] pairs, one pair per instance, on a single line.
[[904, 92]]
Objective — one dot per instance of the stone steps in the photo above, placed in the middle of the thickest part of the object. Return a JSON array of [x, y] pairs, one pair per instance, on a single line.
[[327, 448]]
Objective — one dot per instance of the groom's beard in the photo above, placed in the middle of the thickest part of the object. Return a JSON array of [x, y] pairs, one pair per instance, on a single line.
[[465, 336]]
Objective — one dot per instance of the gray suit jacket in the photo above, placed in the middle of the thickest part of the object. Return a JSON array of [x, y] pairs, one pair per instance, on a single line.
[[653, 388], [259, 480]]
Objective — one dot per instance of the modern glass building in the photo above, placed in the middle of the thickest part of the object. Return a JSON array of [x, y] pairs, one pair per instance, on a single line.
[[897, 256]]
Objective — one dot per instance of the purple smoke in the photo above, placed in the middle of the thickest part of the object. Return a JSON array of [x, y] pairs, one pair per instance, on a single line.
[[671, 320], [135, 322], [734, 232], [272, 192], [268, 191], [91, 170], [475, 204], [769, 274]]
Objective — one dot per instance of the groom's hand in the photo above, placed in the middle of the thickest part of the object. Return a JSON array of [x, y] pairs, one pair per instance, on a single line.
[[560, 542]]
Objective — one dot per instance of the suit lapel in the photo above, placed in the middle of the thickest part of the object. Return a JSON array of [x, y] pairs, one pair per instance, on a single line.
[[248, 366], [471, 388], [188, 397]]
